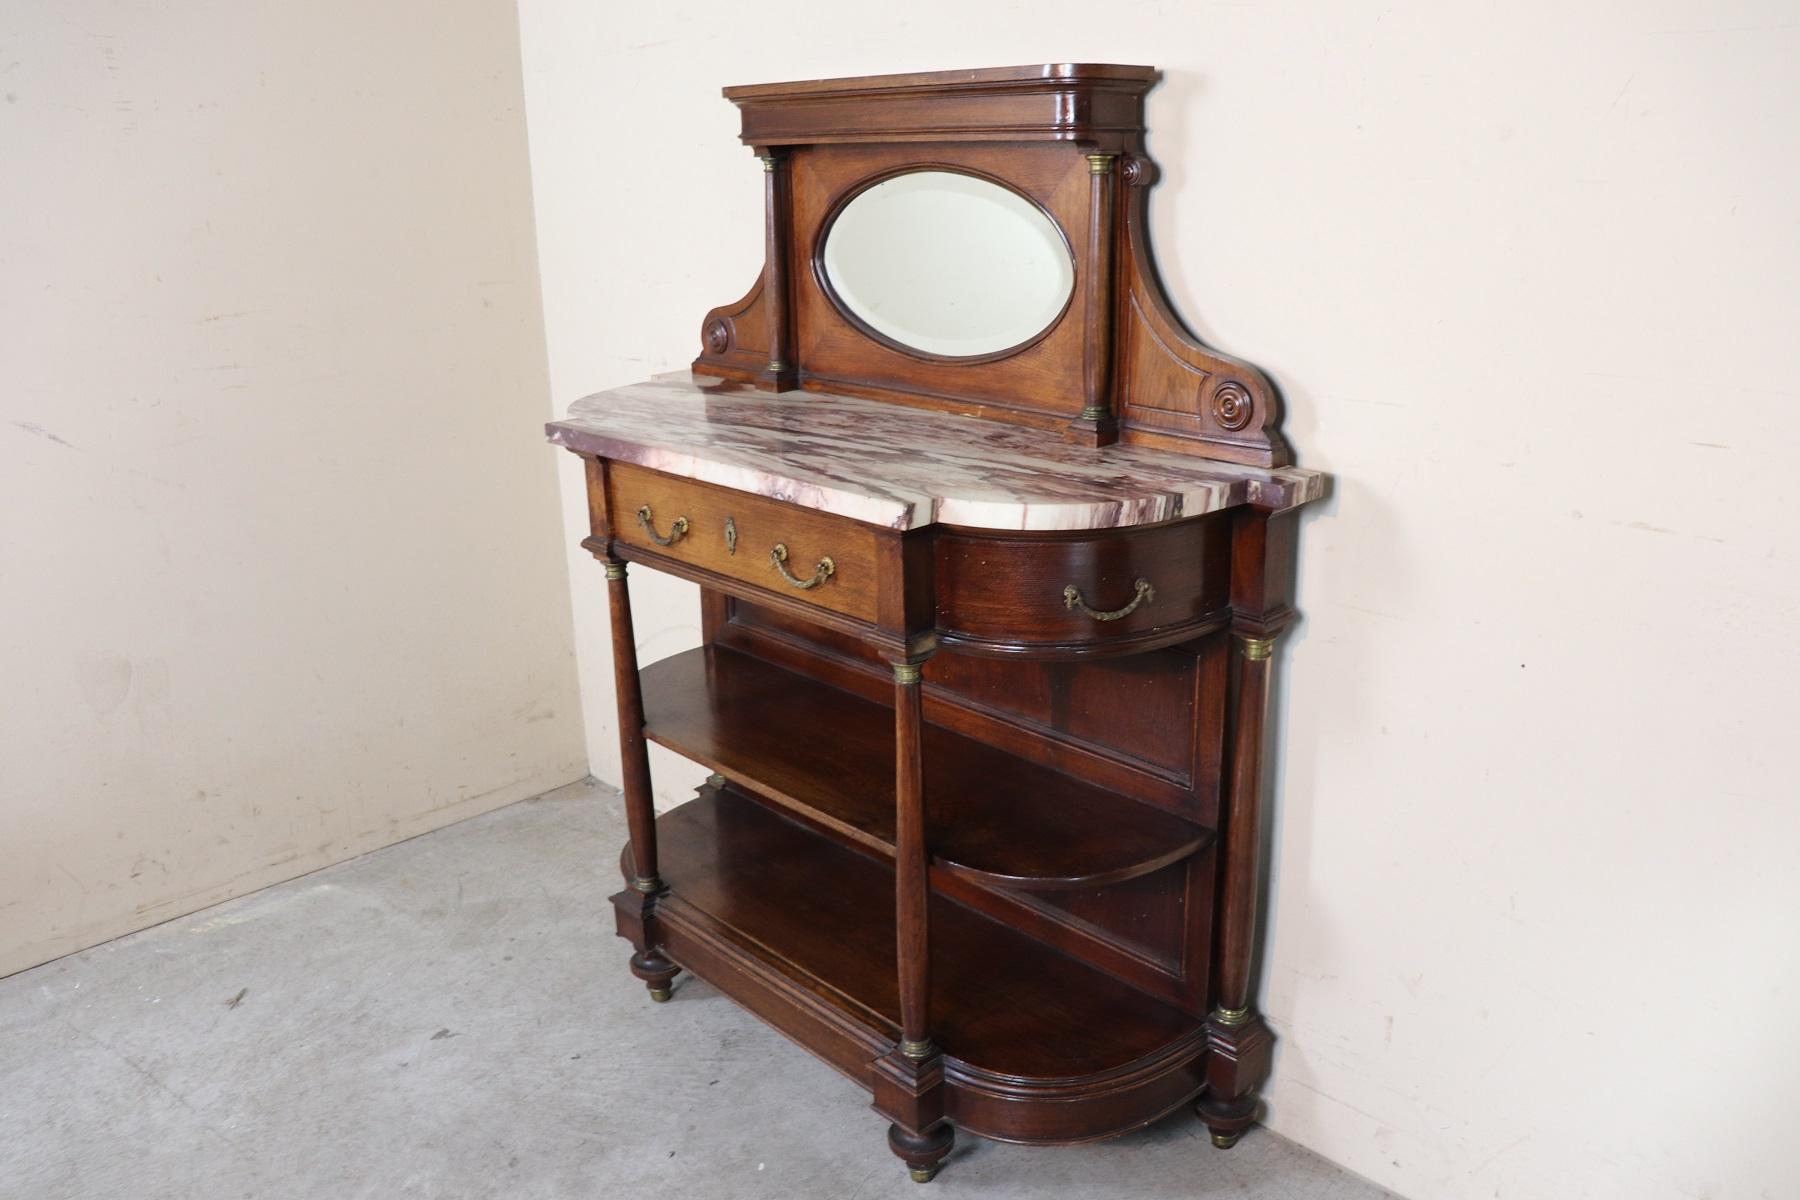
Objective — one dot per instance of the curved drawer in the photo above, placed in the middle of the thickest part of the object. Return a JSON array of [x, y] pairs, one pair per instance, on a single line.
[[1086, 592], [732, 534]]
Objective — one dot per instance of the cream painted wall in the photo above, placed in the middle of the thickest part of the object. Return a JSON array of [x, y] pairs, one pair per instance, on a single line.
[[279, 559], [1527, 275]]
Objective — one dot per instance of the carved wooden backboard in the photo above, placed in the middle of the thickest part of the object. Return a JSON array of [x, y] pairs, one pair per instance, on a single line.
[[1115, 365]]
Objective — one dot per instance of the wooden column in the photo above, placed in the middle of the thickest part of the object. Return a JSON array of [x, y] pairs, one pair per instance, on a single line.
[[648, 963], [780, 375], [1097, 425], [640, 811], [908, 1083], [912, 887], [1239, 1044], [1243, 832]]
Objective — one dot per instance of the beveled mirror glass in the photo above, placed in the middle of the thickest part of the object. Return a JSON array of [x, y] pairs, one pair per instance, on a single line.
[[948, 264]]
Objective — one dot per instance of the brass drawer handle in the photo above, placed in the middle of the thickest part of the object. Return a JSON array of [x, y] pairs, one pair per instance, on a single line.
[[825, 570], [1072, 599], [675, 531]]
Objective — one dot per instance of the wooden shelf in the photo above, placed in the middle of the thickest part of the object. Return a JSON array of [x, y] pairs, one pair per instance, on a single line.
[[830, 754], [756, 897]]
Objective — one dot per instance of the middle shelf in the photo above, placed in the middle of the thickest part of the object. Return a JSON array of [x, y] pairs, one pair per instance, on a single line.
[[830, 754]]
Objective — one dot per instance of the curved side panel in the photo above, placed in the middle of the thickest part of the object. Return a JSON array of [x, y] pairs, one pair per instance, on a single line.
[[734, 339], [1075, 1110], [1173, 391]]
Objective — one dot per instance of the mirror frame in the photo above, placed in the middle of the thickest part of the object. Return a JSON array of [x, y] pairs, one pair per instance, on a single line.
[[822, 277], [1068, 136]]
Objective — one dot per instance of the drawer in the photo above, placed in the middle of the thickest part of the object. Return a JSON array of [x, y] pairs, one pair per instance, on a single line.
[[712, 515], [1075, 593]]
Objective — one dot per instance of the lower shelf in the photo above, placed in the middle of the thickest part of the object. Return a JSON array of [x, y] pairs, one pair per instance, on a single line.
[[800, 930]]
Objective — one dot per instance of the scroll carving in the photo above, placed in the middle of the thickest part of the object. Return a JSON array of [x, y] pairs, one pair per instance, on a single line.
[[1123, 366], [1173, 390], [734, 339]]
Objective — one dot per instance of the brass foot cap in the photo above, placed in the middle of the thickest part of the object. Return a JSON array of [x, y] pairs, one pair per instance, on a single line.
[[922, 1174], [1226, 1141], [661, 994]]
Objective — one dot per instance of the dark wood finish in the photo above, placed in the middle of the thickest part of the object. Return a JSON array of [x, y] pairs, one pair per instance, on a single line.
[[1149, 725], [992, 816], [1007, 593], [1058, 102], [911, 863], [1017, 895], [1096, 424], [778, 375], [1044, 132], [1243, 825], [1262, 584], [648, 963], [1174, 391], [1034, 1046], [640, 816]]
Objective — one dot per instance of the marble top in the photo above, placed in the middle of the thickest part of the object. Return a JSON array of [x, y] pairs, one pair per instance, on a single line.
[[901, 467]]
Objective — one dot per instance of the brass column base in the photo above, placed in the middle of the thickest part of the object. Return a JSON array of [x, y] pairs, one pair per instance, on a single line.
[[922, 1174], [661, 994], [1226, 1141]]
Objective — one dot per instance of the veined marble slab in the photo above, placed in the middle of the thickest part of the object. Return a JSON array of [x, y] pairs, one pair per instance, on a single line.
[[903, 468]]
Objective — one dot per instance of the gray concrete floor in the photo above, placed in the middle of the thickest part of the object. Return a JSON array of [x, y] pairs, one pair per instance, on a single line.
[[452, 1017]]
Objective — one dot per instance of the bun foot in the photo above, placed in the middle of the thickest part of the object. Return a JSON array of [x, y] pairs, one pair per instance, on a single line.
[[657, 973], [1228, 1121], [923, 1153]]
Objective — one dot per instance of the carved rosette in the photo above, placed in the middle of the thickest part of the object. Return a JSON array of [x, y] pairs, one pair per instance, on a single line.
[[717, 336], [1138, 171], [1232, 406]]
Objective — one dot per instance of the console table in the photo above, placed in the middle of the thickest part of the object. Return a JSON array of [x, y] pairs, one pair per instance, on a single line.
[[989, 619]]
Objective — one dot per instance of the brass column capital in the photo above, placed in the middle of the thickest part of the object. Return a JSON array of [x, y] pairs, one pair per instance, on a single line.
[[615, 570], [1255, 649]]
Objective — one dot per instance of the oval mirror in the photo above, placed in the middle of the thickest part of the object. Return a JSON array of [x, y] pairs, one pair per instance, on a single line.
[[948, 264]]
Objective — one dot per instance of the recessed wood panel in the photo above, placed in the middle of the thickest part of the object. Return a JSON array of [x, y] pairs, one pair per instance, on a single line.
[[1145, 725]]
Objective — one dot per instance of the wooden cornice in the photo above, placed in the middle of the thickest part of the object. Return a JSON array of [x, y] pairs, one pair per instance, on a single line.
[[1100, 103]]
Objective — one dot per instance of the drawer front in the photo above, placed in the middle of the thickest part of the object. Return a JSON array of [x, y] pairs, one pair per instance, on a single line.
[[1080, 592], [734, 534]]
